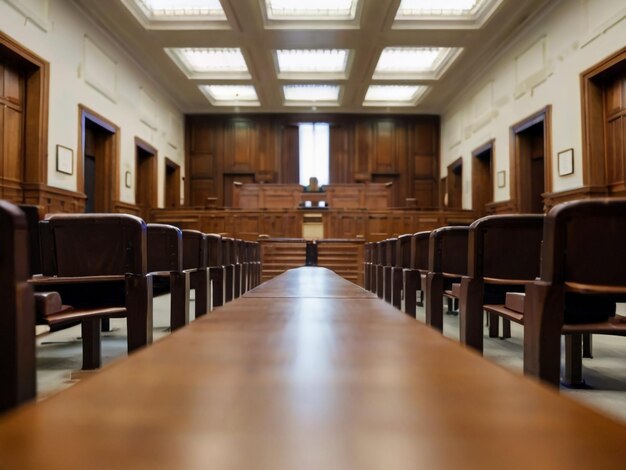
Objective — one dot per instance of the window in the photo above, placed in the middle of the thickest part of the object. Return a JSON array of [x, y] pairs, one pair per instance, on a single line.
[[314, 152]]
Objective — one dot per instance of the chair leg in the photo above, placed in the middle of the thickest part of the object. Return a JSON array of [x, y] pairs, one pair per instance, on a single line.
[[139, 311], [92, 347], [396, 288], [471, 313], [494, 325], [179, 307], [217, 277], [506, 328], [201, 286], [434, 300], [588, 345], [573, 372], [410, 292]]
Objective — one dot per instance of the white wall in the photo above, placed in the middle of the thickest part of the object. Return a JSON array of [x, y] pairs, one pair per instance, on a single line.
[[541, 67], [87, 67]]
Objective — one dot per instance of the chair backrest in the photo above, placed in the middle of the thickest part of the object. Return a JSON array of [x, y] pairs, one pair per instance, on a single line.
[[76, 245], [505, 247], [367, 254], [17, 316], [420, 242], [32, 222], [194, 250], [447, 250], [214, 249], [390, 251], [583, 245], [403, 251], [165, 248], [228, 248]]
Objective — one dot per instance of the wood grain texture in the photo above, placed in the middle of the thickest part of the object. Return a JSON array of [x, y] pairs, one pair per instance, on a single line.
[[308, 382]]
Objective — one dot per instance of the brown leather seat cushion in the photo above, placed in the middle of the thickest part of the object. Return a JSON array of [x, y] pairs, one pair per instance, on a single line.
[[515, 301]]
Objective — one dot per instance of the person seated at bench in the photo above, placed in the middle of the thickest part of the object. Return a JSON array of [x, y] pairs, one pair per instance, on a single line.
[[17, 315], [503, 255], [98, 265], [165, 264], [447, 262]]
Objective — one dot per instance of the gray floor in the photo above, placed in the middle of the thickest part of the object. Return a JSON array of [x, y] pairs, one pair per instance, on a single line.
[[59, 359]]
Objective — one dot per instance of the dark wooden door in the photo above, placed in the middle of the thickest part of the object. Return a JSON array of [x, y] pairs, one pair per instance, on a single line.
[[12, 132]]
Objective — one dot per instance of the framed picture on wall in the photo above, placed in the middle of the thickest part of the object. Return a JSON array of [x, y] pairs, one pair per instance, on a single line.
[[65, 160], [566, 162]]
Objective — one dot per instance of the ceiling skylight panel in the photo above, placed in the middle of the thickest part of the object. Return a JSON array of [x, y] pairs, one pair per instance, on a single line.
[[210, 62], [421, 8], [393, 95], [319, 94], [311, 9], [188, 8], [312, 60], [414, 62], [231, 95]]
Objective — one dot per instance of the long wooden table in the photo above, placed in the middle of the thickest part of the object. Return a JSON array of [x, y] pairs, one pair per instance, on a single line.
[[308, 371]]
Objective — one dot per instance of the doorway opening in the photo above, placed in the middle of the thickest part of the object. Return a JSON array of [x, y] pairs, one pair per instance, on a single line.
[[172, 184], [145, 178], [531, 173], [98, 162], [482, 177], [455, 184]]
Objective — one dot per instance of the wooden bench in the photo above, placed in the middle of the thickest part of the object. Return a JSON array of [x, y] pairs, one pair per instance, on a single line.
[[447, 262], [389, 263], [314, 377], [195, 263], [17, 315], [415, 275], [98, 265], [216, 268], [503, 255], [583, 275], [165, 263], [402, 263]]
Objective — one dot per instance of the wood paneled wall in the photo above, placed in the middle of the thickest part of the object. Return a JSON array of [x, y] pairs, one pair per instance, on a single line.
[[264, 148]]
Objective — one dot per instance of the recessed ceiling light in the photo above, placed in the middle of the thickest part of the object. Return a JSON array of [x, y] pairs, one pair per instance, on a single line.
[[312, 93], [311, 9], [178, 8], [210, 62], [228, 95], [414, 62], [312, 60], [394, 95]]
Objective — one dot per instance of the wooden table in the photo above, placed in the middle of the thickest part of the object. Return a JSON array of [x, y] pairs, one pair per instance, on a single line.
[[331, 379]]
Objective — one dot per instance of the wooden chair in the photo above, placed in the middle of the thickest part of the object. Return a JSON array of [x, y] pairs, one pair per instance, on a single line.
[[402, 262], [390, 262], [381, 249], [165, 263], [415, 275], [195, 263], [367, 264], [447, 262], [583, 275], [256, 257], [98, 264], [228, 248], [237, 257], [216, 269], [503, 256], [17, 315]]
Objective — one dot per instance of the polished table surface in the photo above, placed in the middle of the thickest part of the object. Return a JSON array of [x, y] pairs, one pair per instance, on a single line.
[[308, 382]]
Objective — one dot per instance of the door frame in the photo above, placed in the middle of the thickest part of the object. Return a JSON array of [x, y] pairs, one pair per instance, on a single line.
[[544, 116], [154, 169], [171, 164], [111, 156], [489, 145]]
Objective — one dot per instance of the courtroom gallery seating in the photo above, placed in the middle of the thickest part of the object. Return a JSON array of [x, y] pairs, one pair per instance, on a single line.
[[17, 315], [403, 262], [195, 262], [447, 262], [216, 268], [390, 262], [98, 265], [165, 263], [415, 275]]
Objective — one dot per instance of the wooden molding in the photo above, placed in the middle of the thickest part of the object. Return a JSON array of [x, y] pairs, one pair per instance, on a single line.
[[122, 207], [586, 192], [501, 207], [54, 200]]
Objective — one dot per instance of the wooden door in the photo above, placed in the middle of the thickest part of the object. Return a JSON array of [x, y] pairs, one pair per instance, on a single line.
[[455, 184], [482, 178], [145, 178], [531, 158], [12, 132], [172, 184]]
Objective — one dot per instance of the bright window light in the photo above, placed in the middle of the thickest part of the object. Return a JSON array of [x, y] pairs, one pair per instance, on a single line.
[[231, 93], [411, 59], [311, 93], [177, 8], [312, 60], [311, 9], [394, 93], [314, 142], [422, 8]]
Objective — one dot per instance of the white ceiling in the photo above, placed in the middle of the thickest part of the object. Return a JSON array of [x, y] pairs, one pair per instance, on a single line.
[[366, 38]]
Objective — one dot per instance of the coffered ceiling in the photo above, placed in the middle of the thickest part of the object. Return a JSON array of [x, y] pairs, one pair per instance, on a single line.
[[356, 56]]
